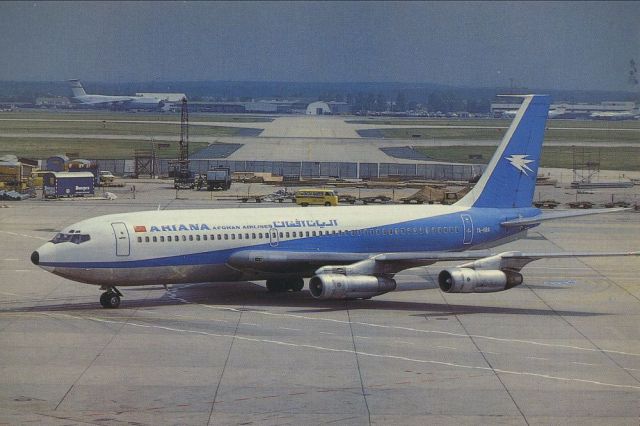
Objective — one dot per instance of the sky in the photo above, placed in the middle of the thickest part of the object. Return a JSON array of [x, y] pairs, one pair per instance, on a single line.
[[552, 45]]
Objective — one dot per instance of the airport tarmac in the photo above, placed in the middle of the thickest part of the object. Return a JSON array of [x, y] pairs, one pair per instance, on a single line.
[[564, 348]]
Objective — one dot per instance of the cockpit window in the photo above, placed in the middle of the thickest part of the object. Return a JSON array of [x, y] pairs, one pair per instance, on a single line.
[[73, 238]]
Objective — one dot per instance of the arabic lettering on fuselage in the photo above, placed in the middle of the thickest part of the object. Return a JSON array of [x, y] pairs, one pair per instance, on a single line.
[[304, 223]]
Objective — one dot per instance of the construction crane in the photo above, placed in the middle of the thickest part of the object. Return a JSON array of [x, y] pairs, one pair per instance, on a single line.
[[183, 178]]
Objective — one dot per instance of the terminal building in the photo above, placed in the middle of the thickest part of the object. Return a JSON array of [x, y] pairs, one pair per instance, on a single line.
[[325, 158], [314, 158], [256, 107]]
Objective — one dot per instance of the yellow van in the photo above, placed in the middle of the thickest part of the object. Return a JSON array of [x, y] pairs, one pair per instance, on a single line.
[[319, 197]]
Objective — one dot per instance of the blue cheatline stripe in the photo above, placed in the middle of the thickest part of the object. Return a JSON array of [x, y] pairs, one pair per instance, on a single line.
[[369, 241]]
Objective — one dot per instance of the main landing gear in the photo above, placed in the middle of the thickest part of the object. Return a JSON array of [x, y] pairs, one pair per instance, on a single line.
[[284, 284], [110, 299]]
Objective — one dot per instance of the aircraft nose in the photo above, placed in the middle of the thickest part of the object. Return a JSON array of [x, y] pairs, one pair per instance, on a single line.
[[35, 258]]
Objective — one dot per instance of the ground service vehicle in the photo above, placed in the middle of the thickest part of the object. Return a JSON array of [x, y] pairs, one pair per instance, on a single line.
[[318, 197], [219, 178], [184, 180], [106, 176]]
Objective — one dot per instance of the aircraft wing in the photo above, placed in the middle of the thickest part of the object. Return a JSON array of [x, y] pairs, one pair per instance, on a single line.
[[279, 261], [557, 215]]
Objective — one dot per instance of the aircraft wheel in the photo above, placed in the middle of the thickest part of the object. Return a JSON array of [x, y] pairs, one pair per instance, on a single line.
[[109, 300], [296, 284], [275, 286]]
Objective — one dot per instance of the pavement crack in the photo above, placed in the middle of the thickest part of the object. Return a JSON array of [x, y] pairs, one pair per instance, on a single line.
[[355, 351], [482, 353], [224, 367]]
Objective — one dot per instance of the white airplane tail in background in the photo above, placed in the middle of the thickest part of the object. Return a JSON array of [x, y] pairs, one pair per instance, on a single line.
[[76, 88]]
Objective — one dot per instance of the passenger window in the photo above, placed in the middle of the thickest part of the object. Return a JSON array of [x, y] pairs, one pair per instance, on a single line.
[[287, 234], [281, 235], [259, 234], [226, 236], [169, 238], [204, 237], [184, 238], [197, 237], [233, 236], [161, 239], [146, 239], [219, 236], [139, 239], [313, 233], [246, 236], [307, 233]]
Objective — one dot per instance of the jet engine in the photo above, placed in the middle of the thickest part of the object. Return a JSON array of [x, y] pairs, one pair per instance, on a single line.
[[338, 286], [466, 280]]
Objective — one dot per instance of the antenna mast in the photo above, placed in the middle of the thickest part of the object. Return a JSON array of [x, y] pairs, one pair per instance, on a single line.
[[182, 176], [183, 153]]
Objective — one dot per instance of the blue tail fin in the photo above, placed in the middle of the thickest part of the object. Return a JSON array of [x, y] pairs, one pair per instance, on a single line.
[[510, 178]]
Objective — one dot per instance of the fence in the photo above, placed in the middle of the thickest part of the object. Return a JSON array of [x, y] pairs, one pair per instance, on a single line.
[[309, 169]]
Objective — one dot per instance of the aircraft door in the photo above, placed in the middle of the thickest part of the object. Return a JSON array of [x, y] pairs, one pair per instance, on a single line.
[[273, 237], [122, 238], [467, 223]]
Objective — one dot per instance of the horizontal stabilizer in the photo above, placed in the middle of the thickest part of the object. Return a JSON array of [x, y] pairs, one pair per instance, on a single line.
[[556, 215]]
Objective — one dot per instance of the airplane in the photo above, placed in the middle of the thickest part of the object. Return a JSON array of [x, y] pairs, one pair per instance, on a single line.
[[348, 252], [554, 113], [509, 113], [613, 116], [80, 96]]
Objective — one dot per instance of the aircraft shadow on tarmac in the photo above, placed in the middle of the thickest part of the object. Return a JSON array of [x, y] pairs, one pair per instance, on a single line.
[[239, 294]]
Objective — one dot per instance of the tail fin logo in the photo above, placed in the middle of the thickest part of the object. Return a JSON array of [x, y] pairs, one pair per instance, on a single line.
[[520, 162]]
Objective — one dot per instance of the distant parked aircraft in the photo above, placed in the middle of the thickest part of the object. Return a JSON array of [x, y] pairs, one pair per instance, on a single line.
[[610, 115], [80, 96]]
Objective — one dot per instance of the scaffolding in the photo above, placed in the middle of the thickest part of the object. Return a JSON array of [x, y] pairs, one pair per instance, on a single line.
[[586, 168], [181, 174]]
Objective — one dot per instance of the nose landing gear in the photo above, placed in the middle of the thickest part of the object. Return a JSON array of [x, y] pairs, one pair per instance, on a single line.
[[110, 299]]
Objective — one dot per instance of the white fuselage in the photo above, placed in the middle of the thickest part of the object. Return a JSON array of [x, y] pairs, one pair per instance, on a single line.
[[181, 246]]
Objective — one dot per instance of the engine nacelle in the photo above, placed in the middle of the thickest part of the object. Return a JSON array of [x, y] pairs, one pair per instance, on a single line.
[[466, 280], [337, 286]]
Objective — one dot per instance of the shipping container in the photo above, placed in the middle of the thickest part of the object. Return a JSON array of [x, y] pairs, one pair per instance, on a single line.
[[68, 184], [57, 163]]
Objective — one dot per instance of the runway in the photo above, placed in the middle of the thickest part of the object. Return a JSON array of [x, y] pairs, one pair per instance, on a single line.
[[564, 348]]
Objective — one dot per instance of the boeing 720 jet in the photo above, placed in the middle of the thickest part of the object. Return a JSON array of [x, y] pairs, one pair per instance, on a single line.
[[347, 252]]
